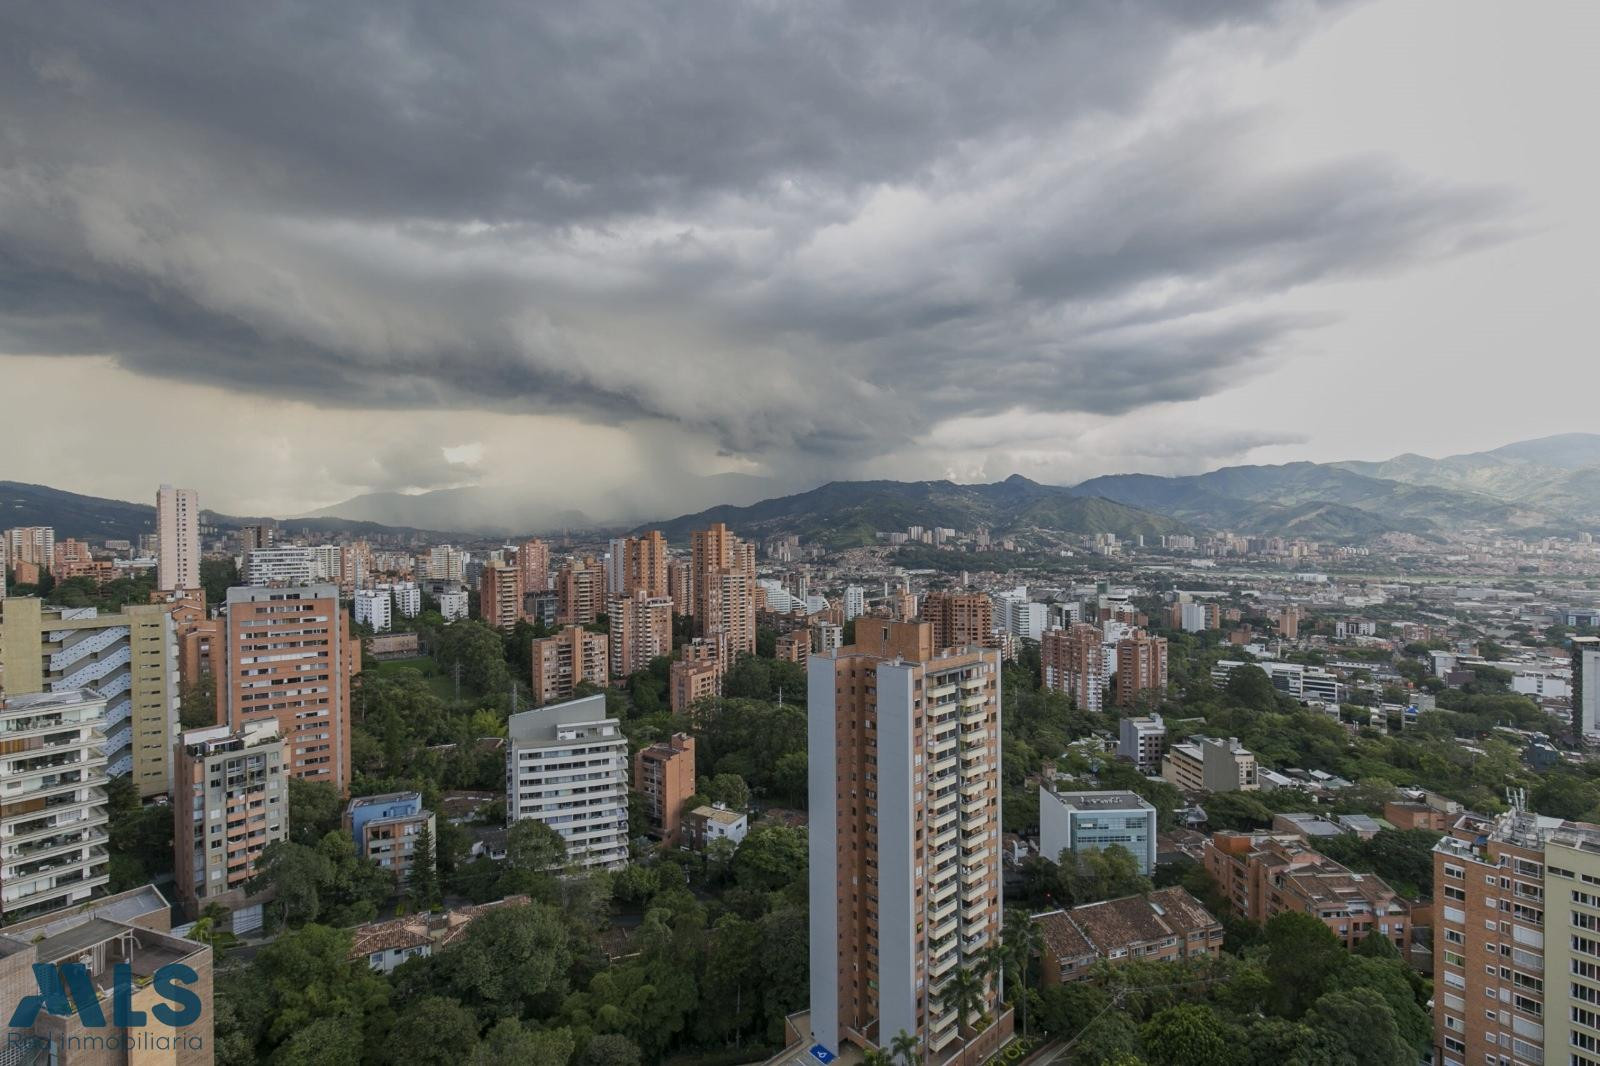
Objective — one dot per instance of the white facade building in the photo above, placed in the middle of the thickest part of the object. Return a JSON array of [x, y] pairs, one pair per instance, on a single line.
[[53, 816], [453, 604], [374, 608], [567, 766], [177, 539], [407, 598], [289, 565], [855, 602]]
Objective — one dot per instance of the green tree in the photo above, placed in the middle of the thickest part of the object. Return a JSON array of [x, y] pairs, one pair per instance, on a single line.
[[197, 703], [771, 858], [610, 1049], [315, 808], [1249, 686], [1355, 1028], [434, 1031], [423, 885], [509, 1041], [513, 962], [1186, 1035], [962, 994], [324, 1042], [310, 977], [1302, 954], [1093, 874], [727, 789]]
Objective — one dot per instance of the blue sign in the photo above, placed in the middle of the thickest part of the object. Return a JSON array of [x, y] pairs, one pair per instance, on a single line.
[[70, 985], [822, 1054]]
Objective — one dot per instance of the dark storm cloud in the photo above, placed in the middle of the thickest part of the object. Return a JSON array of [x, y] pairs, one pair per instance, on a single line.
[[795, 226]]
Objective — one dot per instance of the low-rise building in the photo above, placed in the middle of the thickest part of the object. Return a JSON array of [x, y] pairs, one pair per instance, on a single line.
[[692, 682], [1142, 742], [126, 934], [1206, 764], [385, 945], [714, 822], [1166, 925], [1085, 821], [387, 828], [1264, 874]]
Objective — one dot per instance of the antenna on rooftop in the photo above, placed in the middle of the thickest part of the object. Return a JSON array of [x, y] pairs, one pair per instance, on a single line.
[[1517, 799]]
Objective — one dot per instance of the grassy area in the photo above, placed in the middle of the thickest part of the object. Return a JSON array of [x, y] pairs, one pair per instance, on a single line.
[[437, 677]]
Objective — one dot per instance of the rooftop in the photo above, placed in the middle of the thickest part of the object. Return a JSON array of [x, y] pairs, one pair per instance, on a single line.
[[540, 725], [441, 930], [1103, 801]]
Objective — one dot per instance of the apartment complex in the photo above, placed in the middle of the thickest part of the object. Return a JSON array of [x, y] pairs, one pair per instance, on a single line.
[[1166, 925], [723, 580], [567, 766], [387, 829], [1142, 742], [30, 546], [287, 657], [1206, 764], [580, 592], [563, 661], [1586, 685], [231, 800], [1263, 874], [1094, 821], [53, 815], [1141, 667], [1517, 941], [639, 564], [960, 618], [533, 560], [500, 594], [374, 608], [177, 539], [664, 774], [691, 681], [1073, 661], [132, 929], [641, 630], [904, 747], [130, 658]]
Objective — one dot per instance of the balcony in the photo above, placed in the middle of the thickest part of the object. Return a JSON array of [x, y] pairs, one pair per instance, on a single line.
[[943, 766], [944, 964], [947, 837], [974, 890], [943, 911], [974, 875], [72, 841], [943, 819], [946, 890]]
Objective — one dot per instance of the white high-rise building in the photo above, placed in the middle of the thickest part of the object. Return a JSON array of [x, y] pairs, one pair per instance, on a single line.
[[327, 562], [567, 766], [373, 607], [1586, 684], [1022, 617], [855, 602], [407, 598], [177, 538], [288, 565], [446, 563], [53, 836]]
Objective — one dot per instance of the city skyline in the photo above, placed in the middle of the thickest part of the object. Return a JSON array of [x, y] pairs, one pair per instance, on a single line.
[[1198, 243]]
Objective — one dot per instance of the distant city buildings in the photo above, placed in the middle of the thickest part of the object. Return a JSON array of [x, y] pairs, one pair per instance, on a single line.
[[1141, 667], [500, 594], [567, 766], [723, 576], [959, 619], [374, 608], [641, 630]]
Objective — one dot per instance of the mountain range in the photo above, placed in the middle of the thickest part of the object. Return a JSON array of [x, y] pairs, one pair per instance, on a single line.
[[1552, 483]]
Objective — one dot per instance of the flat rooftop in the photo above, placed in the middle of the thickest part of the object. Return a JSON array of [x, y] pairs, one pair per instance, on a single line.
[[1103, 801]]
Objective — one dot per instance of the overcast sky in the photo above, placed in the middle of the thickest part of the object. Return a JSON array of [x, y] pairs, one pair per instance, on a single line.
[[288, 254]]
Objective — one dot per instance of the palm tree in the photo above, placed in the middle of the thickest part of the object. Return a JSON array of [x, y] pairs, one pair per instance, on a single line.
[[1024, 938], [876, 1056], [963, 993], [904, 1046]]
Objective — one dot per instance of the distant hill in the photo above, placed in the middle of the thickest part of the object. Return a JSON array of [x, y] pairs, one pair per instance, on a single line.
[[1557, 477], [97, 518], [1309, 500], [844, 514]]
